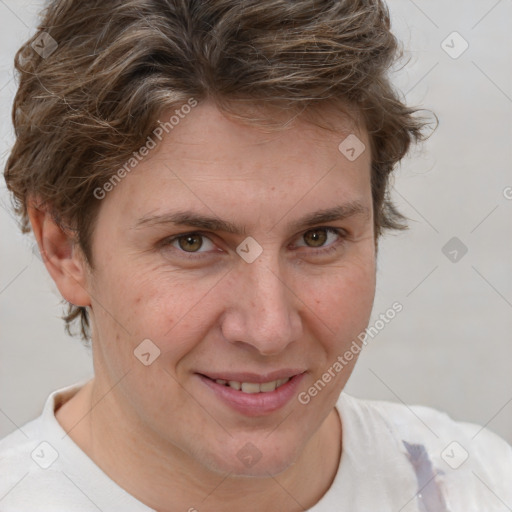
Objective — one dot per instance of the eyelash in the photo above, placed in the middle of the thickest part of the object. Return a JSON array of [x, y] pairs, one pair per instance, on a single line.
[[198, 255]]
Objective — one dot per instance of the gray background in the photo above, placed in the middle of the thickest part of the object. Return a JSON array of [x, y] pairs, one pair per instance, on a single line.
[[450, 347]]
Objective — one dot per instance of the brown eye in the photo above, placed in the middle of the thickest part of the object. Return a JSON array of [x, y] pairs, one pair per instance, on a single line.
[[190, 243], [322, 240], [316, 237]]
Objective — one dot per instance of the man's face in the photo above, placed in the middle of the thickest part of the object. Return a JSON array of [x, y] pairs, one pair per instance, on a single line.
[[214, 314]]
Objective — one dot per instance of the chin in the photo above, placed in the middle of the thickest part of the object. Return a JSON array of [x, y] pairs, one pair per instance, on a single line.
[[246, 460]]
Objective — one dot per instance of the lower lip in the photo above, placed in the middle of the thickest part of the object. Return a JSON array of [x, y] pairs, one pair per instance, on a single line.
[[255, 404]]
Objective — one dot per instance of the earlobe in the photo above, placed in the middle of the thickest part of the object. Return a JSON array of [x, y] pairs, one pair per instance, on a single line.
[[61, 256]]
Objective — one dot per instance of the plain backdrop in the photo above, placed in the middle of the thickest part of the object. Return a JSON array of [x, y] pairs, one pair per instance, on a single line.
[[450, 348]]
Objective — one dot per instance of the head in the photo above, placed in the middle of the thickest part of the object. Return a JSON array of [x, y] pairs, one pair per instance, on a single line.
[[212, 177]]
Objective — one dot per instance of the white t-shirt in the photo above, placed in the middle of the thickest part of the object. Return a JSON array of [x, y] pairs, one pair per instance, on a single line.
[[395, 458]]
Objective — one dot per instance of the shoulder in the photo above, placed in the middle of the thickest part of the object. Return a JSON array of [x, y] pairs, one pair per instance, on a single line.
[[16, 448], [437, 427], [35, 473], [43, 469], [423, 422], [470, 461], [21, 455]]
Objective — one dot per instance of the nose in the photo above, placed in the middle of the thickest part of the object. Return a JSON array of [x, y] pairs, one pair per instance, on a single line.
[[264, 310]]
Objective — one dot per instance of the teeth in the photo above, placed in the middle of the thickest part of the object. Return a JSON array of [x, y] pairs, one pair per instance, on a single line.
[[253, 387], [268, 386], [234, 384], [250, 387]]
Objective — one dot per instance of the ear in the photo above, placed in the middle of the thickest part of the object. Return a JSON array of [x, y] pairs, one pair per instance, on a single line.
[[61, 255]]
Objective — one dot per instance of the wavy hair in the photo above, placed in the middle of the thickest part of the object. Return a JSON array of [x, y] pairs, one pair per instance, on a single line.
[[81, 111]]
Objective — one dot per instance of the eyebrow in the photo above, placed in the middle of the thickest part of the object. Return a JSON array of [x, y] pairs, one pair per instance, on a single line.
[[195, 220]]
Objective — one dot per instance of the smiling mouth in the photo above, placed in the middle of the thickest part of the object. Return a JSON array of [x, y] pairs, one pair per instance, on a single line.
[[253, 394], [251, 387]]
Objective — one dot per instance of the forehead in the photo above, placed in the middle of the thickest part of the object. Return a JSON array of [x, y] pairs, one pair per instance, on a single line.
[[210, 135], [229, 168]]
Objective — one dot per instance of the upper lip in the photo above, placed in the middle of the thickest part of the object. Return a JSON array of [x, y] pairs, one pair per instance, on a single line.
[[253, 377]]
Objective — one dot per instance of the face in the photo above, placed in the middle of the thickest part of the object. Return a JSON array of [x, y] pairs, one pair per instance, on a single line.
[[247, 258]]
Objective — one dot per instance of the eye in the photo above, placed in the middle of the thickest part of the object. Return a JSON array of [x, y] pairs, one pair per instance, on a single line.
[[324, 238], [190, 243]]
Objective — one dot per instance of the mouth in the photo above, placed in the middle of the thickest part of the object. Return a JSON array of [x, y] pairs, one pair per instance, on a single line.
[[252, 394], [252, 387]]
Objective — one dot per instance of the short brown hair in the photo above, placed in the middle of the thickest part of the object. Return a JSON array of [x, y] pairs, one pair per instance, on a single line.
[[81, 111]]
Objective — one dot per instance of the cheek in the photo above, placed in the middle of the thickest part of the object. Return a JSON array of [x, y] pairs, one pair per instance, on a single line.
[[175, 309], [343, 299], [167, 307], [343, 304]]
